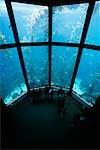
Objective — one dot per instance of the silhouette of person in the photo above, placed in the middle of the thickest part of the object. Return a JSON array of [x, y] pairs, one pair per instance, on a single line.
[[61, 107], [46, 92], [40, 95], [34, 95], [60, 92]]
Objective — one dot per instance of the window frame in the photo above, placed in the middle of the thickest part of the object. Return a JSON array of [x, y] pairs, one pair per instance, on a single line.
[[80, 45]]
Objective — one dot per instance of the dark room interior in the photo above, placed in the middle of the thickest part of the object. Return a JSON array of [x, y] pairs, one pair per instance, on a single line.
[[50, 74]]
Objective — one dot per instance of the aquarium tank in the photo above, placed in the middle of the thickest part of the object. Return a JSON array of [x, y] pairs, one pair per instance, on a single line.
[[49, 45]]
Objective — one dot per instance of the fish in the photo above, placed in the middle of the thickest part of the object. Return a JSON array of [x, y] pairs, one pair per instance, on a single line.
[[9, 26], [98, 73], [38, 80], [78, 87], [8, 53], [86, 54], [2, 38], [91, 75]]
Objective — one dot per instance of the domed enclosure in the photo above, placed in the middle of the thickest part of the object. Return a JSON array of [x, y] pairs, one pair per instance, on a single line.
[[49, 44]]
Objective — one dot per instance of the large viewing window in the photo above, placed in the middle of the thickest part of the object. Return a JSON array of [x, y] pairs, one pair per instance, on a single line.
[[31, 21], [87, 83], [6, 35], [68, 22], [36, 62], [12, 84], [93, 35], [56, 44], [63, 62]]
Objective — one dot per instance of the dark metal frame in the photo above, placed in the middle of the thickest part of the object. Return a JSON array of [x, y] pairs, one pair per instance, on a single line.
[[88, 46], [14, 28], [83, 37], [50, 4], [50, 41], [54, 2]]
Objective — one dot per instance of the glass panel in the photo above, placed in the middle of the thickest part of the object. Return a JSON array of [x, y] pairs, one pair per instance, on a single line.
[[68, 22], [11, 78], [63, 62], [87, 83], [36, 62], [32, 22], [6, 35], [93, 35]]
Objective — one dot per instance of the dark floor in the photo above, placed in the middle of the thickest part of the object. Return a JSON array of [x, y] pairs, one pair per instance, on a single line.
[[37, 126]]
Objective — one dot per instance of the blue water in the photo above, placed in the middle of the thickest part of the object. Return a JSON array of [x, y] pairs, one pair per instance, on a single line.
[[32, 26]]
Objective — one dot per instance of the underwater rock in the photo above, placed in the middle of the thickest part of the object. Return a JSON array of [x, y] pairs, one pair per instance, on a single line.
[[24, 39], [15, 95], [18, 91], [89, 98], [21, 91], [78, 88], [2, 39], [9, 26]]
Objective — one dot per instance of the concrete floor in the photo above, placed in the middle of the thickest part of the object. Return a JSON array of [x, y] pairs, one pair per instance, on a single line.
[[37, 126]]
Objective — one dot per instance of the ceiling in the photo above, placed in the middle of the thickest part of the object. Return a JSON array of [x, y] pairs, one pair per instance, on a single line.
[[53, 2]]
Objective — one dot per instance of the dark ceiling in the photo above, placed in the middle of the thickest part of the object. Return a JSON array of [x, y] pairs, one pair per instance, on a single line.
[[53, 2]]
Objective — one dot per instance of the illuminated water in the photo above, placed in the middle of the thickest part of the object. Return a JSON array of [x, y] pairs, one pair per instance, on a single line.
[[32, 26]]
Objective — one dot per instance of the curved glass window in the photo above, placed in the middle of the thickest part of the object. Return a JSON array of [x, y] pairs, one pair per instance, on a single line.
[[31, 21], [32, 27], [93, 35], [87, 83], [68, 22], [63, 62], [12, 84], [6, 35], [36, 62]]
